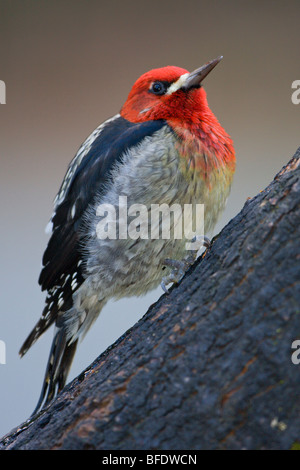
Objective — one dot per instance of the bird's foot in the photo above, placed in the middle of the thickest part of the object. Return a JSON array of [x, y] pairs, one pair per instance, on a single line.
[[180, 267]]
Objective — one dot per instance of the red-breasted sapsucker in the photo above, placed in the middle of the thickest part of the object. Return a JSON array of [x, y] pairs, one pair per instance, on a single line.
[[165, 147]]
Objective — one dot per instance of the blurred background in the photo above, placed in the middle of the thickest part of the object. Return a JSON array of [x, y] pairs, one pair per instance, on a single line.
[[68, 66]]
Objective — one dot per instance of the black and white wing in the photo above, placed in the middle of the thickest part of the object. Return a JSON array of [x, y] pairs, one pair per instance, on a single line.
[[87, 175]]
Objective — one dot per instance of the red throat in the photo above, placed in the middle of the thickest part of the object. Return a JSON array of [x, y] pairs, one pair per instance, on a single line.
[[201, 135]]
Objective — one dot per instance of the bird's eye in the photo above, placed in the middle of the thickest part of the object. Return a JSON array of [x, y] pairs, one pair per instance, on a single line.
[[158, 88]]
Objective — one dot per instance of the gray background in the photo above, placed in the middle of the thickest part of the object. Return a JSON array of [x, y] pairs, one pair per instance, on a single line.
[[69, 65]]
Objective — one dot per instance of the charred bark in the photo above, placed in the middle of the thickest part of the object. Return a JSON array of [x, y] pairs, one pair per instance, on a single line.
[[208, 366]]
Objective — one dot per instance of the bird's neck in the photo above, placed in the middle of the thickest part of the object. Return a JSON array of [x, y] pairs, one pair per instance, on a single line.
[[202, 141]]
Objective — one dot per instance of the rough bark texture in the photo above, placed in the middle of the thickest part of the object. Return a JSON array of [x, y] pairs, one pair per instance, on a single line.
[[208, 366]]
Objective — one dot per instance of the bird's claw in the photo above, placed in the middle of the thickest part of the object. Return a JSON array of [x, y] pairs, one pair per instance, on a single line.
[[180, 267]]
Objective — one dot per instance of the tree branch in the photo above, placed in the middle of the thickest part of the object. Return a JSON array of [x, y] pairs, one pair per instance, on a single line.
[[208, 366]]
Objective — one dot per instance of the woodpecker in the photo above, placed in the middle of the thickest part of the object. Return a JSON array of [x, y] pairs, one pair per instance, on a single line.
[[164, 146]]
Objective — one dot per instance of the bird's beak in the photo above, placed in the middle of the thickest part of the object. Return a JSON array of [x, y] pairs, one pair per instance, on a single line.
[[195, 78]]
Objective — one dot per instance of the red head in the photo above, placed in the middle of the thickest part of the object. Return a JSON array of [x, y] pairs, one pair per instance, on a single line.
[[170, 93]]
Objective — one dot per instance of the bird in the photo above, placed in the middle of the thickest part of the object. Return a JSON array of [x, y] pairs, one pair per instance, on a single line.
[[165, 146]]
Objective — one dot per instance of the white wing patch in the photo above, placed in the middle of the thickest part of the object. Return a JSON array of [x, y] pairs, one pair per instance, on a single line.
[[73, 210], [49, 227]]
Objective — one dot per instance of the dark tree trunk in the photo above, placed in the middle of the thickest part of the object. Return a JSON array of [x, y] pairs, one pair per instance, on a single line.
[[208, 366]]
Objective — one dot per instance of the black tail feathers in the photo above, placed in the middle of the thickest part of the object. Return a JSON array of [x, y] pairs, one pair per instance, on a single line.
[[58, 366]]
